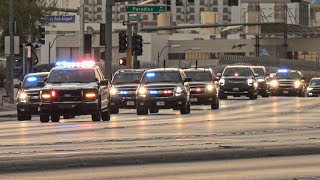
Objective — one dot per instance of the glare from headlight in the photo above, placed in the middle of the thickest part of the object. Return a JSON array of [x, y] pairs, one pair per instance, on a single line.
[[297, 84], [310, 88], [142, 91], [255, 84], [222, 82], [274, 83], [113, 91], [260, 80], [250, 81], [179, 90], [210, 87], [23, 96]]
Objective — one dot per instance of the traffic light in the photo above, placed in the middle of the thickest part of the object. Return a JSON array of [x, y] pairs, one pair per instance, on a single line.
[[168, 3], [123, 42], [102, 34], [233, 2], [42, 32], [87, 44], [123, 61], [137, 44]]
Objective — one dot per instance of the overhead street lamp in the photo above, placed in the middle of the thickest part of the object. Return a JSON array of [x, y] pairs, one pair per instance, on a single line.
[[54, 40], [171, 46], [191, 49]]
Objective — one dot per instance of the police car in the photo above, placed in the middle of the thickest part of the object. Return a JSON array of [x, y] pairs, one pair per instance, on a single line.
[[28, 100], [263, 80], [75, 88], [288, 82], [202, 87], [123, 90], [165, 88]]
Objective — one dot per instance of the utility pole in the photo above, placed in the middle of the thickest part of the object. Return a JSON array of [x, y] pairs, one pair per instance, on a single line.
[[81, 14], [108, 39], [11, 60], [130, 63], [135, 57]]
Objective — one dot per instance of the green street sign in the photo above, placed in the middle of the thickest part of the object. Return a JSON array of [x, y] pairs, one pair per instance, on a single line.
[[145, 8]]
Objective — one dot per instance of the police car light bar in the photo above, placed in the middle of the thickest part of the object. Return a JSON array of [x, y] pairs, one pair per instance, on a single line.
[[282, 70], [31, 79], [82, 64], [151, 74]]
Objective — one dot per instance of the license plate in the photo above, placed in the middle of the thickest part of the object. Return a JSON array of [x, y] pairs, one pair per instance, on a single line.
[[194, 100], [160, 103], [34, 97], [67, 106], [285, 92], [130, 103], [235, 89]]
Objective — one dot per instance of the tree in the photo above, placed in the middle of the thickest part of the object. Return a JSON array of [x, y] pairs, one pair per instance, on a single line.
[[28, 15]]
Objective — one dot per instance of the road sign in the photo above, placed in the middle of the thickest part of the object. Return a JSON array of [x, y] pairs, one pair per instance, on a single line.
[[60, 19], [145, 8], [7, 45], [133, 18]]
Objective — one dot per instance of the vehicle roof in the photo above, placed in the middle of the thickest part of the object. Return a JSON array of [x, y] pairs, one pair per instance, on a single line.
[[74, 68], [290, 71], [197, 69], [163, 69], [131, 70], [317, 78], [258, 67], [238, 66], [38, 74]]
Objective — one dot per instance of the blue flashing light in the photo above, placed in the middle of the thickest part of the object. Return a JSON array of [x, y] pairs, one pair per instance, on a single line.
[[32, 79], [153, 92], [151, 74], [70, 64], [123, 92], [282, 70]]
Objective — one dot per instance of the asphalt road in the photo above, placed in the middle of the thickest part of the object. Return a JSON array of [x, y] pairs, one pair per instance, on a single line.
[[294, 167], [240, 123]]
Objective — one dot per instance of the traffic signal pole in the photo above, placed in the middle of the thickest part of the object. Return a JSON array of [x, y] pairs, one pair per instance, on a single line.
[[129, 43], [11, 60], [135, 57], [108, 39]]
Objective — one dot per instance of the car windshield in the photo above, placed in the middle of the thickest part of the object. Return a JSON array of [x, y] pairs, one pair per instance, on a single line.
[[259, 71], [127, 77], [72, 76], [315, 82], [237, 71], [289, 75], [199, 76], [31, 81], [162, 76]]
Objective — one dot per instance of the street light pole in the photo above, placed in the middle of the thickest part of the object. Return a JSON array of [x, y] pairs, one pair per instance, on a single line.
[[159, 54], [11, 61], [54, 40], [191, 49]]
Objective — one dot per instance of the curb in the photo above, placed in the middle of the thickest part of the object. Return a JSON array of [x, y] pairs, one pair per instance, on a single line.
[[101, 160]]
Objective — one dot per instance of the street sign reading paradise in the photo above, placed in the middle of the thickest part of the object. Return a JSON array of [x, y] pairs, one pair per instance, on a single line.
[[145, 8], [60, 19]]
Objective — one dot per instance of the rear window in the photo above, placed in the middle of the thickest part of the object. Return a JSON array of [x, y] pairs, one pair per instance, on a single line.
[[289, 75], [162, 76], [72, 76], [31, 81], [237, 71], [315, 82], [259, 71]]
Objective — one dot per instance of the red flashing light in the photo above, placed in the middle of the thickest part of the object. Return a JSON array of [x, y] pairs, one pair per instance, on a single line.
[[167, 92], [236, 74], [198, 89], [53, 93]]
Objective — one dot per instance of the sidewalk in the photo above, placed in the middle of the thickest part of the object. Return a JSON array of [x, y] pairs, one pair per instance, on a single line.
[[6, 109]]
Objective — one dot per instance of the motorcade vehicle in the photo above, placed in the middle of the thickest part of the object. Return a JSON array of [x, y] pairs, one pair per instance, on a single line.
[[164, 88], [203, 90], [75, 88], [263, 80], [313, 89], [238, 81], [28, 100]]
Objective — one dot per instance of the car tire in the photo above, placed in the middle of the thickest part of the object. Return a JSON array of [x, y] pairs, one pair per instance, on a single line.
[[114, 111], [23, 117], [265, 94], [44, 118], [96, 117], [154, 110], [105, 116], [215, 105], [186, 109], [253, 96], [55, 118], [141, 111]]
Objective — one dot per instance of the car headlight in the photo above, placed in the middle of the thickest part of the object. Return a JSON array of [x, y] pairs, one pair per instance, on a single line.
[[179, 90], [90, 95], [310, 88], [142, 91], [260, 80], [297, 84], [222, 82], [23, 97], [250, 81], [113, 91], [274, 83], [209, 87]]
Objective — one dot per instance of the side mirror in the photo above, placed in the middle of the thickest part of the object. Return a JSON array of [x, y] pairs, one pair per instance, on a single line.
[[256, 75], [303, 78], [17, 86], [45, 79], [40, 84], [219, 75], [104, 83], [187, 80]]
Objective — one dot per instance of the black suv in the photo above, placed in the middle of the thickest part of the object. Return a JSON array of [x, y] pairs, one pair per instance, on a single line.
[[28, 100], [163, 89], [288, 82], [203, 89], [263, 80], [78, 89], [123, 90], [238, 81]]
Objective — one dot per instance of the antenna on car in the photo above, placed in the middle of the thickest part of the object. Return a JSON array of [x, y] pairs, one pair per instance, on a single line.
[[164, 63], [196, 64]]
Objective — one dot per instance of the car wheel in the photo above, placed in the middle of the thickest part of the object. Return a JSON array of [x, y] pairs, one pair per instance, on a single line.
[[265, 94], [114, 111], [154, 110], [185, 109], [96, 117], [55, 118], [105, 116], [44, 118], [142, 111], [23, 117], [253, 96], [215, 105]]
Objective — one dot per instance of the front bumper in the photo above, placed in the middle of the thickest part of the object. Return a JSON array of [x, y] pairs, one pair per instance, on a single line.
[[162, 102], [240, 90], [123, 102], [286, 91], [203, 99], [28, 108], [262, 87], [313, 93], [70, 108]]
